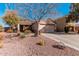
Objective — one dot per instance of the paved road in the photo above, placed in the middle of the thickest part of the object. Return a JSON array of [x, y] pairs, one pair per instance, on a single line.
[[71, 40]]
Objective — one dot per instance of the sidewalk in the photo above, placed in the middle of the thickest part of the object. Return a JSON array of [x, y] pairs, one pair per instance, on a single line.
[[69, 40]]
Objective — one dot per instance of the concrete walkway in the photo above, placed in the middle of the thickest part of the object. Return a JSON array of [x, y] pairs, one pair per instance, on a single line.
[[71, 40]]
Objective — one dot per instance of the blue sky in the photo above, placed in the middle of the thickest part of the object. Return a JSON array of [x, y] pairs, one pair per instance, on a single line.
[[63, 9]]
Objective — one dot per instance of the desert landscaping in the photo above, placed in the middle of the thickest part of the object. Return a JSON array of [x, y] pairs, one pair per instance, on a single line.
[[33, 46], [39, 29]]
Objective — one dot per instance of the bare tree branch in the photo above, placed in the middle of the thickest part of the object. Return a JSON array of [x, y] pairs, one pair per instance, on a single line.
[[34, 11]]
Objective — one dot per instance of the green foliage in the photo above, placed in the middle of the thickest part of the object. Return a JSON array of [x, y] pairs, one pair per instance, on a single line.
[[11, 18], [74, 13]]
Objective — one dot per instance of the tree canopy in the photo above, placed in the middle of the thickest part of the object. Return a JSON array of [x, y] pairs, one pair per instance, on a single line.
[[35, 11], [74, 13], [11, 18]]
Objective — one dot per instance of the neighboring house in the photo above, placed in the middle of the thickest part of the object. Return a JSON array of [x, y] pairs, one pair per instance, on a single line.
[[46, 26], [24, 25], [60, 24]]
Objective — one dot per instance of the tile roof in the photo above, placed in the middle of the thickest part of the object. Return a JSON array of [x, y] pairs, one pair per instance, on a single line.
[[25, 22]]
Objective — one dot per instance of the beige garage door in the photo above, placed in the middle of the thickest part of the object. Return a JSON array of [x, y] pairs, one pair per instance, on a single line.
[[49, 28]]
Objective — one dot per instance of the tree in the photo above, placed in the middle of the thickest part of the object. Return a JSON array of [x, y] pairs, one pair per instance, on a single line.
[[35, 11], [11, 18], [74, 12]]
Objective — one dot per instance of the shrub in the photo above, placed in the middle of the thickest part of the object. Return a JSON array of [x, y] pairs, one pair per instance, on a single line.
[[9, 31], [41, 43], [22, 35], [1, 41], [1, 28], [66, 29], [27, 31], [18, 34]]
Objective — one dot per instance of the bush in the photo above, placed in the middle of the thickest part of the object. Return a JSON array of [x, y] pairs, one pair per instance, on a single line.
[[41, 43], [66, 29], [9, 31], [1, 41], [1, 28], [27, 31], [22, 35]]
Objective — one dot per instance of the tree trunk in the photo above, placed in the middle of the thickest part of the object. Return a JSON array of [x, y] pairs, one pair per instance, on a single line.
[[37, 32], [18, 28]]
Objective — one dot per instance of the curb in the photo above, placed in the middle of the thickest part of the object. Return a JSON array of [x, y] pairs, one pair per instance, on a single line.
[[66, 44]]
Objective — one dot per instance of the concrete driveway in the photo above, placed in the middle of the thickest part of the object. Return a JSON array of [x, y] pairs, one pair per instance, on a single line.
[[71, 40]]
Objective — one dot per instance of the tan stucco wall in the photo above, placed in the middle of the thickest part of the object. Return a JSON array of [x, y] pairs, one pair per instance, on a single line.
[[44, 27], [41, 27], [60, 24], [48, 28]]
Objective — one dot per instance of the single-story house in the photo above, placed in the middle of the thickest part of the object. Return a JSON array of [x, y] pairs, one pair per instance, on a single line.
[[24, 25], [46, 26]]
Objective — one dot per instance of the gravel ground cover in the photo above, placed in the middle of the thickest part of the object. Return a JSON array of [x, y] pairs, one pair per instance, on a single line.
[[28, 46]]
